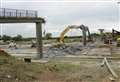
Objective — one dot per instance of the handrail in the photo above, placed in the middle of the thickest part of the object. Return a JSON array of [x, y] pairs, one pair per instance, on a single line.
[[16, 13]]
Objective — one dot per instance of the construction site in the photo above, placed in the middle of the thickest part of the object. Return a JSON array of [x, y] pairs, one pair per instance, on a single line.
[[89, 57]]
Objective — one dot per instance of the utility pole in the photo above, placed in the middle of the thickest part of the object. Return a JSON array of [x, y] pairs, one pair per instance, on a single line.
[[39, 39], [118, 14]]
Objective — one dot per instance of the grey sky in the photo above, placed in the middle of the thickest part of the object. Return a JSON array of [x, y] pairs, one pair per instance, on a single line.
[[58, 14]]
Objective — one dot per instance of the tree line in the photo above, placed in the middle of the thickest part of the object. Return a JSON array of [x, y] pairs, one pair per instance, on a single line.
[[46, 37], [8, 38], [21, 38]]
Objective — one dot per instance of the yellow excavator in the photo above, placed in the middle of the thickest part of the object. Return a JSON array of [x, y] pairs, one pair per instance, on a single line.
[[84, 29]]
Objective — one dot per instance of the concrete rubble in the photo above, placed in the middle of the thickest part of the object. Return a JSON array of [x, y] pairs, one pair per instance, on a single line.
[[50, 51], [66, 50]]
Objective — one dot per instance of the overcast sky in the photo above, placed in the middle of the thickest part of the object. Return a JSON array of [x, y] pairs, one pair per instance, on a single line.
[[60, 13]]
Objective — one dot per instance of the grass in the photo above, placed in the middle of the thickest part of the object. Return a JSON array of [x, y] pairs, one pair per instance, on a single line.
[[14, 70]]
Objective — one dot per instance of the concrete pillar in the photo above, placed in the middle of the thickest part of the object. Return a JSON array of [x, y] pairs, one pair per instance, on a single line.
[[84, 37], [89, 36], [39, 39]]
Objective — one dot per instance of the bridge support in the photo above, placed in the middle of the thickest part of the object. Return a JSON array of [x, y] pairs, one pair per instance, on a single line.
[[17, 16], [39, 39], [84, 37]]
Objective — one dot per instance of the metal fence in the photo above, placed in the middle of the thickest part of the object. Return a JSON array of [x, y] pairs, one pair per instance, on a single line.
[[4, 12]]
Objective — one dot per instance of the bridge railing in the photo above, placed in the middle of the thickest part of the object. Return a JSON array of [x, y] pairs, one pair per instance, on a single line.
[[4, 13]]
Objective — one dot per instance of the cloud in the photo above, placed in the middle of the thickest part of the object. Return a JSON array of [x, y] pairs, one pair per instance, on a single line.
[[23, 29], [58, 14]]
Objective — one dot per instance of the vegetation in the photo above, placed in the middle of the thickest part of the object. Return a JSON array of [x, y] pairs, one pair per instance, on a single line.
[[47, 39], [14, 70], [117, 36], [0, 37], [17, 38], [8, 38], [56, 70], [48, 36], [95, 34]]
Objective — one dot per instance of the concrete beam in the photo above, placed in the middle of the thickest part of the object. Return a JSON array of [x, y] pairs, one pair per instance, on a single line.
[[21, 20]]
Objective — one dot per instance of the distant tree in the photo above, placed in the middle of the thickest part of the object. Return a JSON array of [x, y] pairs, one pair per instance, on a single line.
[[58, 39], [48, 36], [6, 38], [17, 38], [65, 36], [95, 34], [0, 37]]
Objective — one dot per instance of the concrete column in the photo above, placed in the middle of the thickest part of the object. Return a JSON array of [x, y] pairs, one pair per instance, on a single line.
[[84, 37], [39, 39]]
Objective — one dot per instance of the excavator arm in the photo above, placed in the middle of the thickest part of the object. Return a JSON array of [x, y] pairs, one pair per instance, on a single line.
[[82, 27], [62, 35], [89, 35], [65, 31]]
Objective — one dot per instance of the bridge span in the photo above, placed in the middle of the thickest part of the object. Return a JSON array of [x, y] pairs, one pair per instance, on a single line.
[[24, 16]]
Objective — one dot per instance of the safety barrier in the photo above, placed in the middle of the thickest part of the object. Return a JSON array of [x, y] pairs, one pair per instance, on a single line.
[[5, 13]]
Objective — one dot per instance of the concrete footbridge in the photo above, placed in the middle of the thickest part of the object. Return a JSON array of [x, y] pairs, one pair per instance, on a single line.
[[24, 16]]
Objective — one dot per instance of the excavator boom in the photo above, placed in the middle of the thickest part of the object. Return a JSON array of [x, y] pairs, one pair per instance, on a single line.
[[82, 27]]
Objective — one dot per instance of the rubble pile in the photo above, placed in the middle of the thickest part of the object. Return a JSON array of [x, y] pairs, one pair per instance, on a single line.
[[63, 50]]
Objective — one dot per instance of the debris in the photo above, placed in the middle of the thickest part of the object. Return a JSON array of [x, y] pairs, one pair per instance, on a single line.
[[8, 76], [109, 68], [1, 50], [62, 50], [3, 53], [112, 79], [27, 60], [16, 79]]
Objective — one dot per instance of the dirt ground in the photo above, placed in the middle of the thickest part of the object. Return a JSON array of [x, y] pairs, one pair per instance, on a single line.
[[56, 70], [62, 67], [75, 49]]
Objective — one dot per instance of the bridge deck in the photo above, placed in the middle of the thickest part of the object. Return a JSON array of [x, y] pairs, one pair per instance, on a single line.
[[19, 16]]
